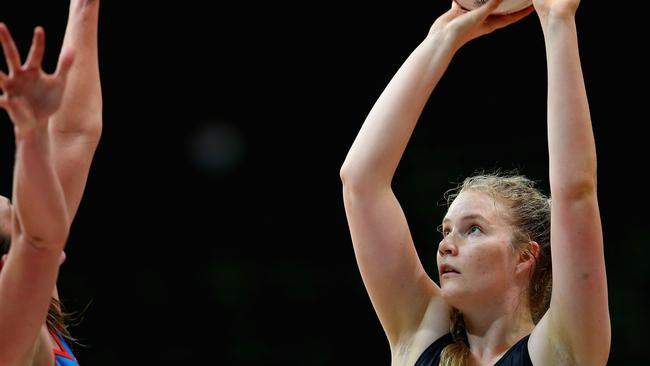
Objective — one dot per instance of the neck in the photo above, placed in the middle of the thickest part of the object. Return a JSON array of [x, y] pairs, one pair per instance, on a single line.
[[493, 329]]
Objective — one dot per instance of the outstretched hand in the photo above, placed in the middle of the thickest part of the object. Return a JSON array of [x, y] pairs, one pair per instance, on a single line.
[[30, 95], [463, 25]]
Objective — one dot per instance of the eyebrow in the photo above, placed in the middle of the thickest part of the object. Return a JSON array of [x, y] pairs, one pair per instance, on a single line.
[[467, 217]]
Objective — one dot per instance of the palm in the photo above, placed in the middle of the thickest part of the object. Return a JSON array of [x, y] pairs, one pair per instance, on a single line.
[[32, 93], [29, 94]]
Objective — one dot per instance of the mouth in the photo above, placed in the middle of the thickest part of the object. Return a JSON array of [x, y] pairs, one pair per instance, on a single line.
[[446, 271]]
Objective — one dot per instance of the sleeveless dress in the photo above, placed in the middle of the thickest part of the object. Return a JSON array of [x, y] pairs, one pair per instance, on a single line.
[[517, 355], [63, 354]]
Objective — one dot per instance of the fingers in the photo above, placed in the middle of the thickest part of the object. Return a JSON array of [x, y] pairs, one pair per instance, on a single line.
[[9, 48], [65, 63], [504, 20], [3, 80], [483, 11], [35, 57]]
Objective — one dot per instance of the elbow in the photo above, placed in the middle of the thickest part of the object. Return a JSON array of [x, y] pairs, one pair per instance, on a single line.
[[352, 183], [50, 237], [92, 132], [344, 173], [87, 130], [352, 180], [362, 180], [349, 178], [577, 189], [53, 240]]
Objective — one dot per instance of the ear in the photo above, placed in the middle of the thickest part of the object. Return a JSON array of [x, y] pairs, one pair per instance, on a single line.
[[528, 257]]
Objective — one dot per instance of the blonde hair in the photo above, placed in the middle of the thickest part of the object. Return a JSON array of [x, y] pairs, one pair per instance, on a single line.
[[529, 213]]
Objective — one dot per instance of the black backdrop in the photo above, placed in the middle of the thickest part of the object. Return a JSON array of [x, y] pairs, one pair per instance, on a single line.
[[212, 229]]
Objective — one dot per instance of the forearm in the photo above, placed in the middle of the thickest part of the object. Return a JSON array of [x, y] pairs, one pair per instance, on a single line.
[[77, 126], [379, 145], [40, 209], [572, 151], [81, 108]]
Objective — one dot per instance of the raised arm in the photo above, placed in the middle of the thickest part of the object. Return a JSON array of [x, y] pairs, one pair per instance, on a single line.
[[578, 313], [40, 218], [76, 127], [400, 290]]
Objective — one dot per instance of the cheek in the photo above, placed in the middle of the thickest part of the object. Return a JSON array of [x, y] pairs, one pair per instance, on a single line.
[[490, 264]]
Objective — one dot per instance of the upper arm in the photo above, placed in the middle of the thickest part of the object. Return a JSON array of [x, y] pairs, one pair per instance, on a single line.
[[398, 286], [72, 155], [577, 322], [27, 281]]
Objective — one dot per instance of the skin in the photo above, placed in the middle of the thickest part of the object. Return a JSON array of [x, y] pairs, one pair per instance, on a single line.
[[412, 309], [57, 122], [477, 246]]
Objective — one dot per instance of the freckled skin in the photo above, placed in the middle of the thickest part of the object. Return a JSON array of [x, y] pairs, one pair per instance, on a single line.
[[479, 248]]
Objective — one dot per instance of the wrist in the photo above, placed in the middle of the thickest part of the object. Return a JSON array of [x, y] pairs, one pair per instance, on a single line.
[[30, 131], [443, 41], [552, 18]]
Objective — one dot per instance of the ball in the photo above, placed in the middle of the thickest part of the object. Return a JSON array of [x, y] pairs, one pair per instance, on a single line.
[[506, 7]]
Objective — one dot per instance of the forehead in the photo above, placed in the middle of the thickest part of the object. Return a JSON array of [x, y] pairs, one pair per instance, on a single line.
[[475, 203]]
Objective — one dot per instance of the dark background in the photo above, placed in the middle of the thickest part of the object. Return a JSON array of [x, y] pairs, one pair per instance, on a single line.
[[212, 230]]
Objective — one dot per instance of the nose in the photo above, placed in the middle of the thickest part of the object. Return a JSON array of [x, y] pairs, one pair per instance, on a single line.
[[447, 246]]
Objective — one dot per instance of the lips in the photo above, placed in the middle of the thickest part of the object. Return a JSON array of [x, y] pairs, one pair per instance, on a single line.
[[448, 269]]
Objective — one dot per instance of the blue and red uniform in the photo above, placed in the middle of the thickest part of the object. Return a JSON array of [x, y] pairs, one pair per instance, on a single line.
[[63, 354]]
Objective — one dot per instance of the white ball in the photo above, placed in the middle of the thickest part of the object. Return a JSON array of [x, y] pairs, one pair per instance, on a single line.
[[506, 7]]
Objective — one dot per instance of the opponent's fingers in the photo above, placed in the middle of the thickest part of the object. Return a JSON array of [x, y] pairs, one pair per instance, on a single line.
[[35, 57], [9, 48], [65, 63]]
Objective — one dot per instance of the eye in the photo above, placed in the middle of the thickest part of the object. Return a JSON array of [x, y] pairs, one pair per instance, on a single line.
[[443, 230], [474, 229]]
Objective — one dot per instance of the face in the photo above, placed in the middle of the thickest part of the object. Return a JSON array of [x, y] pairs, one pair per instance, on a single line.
[[476, 260]]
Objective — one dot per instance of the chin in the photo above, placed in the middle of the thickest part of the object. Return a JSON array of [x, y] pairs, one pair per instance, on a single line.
[[454, 295]]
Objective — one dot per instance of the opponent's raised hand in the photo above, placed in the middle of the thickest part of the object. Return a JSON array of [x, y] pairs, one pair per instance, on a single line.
[[29, 94]]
